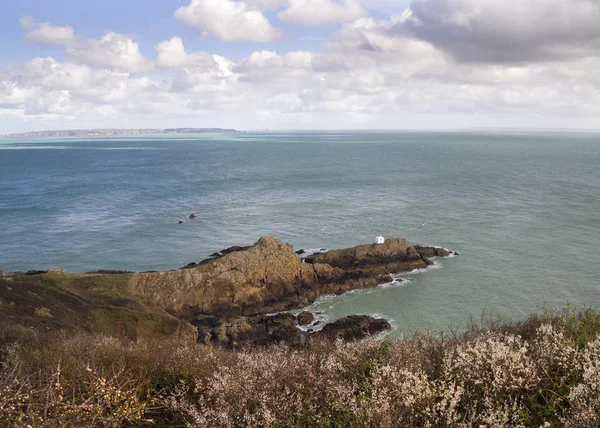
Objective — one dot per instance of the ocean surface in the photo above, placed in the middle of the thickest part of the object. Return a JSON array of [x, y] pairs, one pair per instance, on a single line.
[[522, 209]]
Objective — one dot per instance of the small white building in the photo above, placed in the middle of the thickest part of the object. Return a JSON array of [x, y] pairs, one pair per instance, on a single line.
[[380, 240]]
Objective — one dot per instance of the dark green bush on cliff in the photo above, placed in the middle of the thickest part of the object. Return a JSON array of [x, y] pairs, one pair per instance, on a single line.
[[544, 371]]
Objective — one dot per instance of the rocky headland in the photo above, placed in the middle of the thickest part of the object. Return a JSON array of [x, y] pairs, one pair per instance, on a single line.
[[228, 299]]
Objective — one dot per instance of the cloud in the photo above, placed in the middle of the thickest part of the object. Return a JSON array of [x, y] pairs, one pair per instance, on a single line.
[[369, 73], [507, 31], [113, 51], [228, 20], [171, 53], [322, 12], [367, 43], [266, 5], [45, 33]]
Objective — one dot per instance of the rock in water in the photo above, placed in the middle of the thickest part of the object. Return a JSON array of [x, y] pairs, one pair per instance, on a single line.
[[354, 327], [431, 252], [305, 318]]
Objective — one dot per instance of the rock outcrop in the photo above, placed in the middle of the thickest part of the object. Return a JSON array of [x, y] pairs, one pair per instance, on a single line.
[[305, 318], [266, 330], [258, 330], [394, 256], [354, 327], [431, 252], [226, 298], [269, 277]]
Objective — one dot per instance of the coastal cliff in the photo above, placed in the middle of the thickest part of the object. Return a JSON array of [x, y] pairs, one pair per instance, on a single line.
[[222, 299]]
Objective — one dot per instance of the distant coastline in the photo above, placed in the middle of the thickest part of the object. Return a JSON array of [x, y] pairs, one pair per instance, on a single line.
[[116, 132]]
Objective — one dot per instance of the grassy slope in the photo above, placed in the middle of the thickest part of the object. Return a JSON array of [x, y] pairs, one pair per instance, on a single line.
[[84, 302]]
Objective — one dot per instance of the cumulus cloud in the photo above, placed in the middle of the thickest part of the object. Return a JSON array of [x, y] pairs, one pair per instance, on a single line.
[[172, 54], [113, 51], [507, 31], [378, 72], [45, 33], [228, 20], [322, 12]]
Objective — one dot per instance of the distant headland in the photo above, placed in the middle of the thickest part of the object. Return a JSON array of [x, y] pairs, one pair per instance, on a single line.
[[116, 132]]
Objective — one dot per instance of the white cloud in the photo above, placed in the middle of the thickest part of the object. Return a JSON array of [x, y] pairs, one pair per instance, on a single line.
[[113, 51], [322, 12], [266, 5], [45, 33], [371, 73], [171, 53], [228, 20]]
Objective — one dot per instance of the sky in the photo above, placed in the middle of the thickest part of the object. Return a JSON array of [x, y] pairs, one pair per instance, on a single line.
[[299, 64]]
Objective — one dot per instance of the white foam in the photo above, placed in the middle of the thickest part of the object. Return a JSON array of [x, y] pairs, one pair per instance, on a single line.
[[392, 321], [435, 265], [397, 282], [310, 251], [321, 319]]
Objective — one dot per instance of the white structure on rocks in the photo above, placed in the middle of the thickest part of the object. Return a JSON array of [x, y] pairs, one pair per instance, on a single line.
[[380, 240]]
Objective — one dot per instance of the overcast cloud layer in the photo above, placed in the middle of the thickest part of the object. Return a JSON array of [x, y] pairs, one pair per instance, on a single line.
[[435, 64]]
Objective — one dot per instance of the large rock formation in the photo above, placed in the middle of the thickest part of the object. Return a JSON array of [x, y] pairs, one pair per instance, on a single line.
[[269, 277], [266, 277], [225, 298]]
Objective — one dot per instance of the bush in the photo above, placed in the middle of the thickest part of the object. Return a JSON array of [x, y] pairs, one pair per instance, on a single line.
[[544, 371]]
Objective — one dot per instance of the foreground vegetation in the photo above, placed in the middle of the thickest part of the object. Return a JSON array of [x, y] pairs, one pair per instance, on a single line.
[[544, 372]]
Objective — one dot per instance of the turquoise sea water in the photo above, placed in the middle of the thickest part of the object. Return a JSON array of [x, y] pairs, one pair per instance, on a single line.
[[523, 210]]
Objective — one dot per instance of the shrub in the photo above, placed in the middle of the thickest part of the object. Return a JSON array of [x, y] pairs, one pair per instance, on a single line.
[[544, 371]]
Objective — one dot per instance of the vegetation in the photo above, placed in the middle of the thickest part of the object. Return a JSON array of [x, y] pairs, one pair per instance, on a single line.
[[542, 372]]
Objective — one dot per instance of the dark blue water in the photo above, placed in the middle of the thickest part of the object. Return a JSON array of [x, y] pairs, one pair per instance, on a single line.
[[522, 209]]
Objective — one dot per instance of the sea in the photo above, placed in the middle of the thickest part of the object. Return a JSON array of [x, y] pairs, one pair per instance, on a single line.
[[521, 208]]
